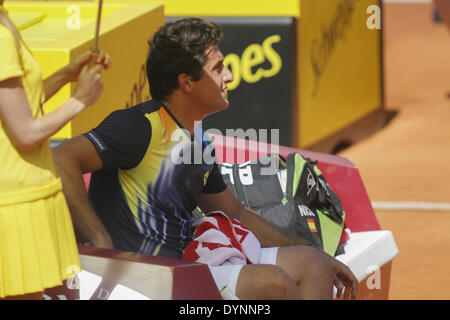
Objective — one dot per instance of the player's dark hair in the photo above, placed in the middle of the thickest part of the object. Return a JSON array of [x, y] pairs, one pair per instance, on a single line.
[[179, 47]]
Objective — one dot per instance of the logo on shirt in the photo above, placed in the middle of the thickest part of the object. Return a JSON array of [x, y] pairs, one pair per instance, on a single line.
[[205, 178], [98, 143]]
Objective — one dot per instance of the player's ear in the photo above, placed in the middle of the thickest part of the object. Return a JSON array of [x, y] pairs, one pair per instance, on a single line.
[[185, 83]]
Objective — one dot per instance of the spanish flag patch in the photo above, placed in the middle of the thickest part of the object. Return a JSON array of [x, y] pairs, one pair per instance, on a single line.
[[311, 225]]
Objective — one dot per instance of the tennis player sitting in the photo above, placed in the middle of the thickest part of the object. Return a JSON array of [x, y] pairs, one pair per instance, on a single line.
[[146, 179]]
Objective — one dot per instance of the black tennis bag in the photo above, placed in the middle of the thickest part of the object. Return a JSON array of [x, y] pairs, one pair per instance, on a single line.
[[293, 194]]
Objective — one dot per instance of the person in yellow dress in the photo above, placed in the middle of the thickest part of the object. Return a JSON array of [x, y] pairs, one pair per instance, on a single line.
[[37, 244]]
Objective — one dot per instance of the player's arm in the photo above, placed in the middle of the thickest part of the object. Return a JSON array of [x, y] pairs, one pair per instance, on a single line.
[[72, 159], [120, 141], [218, 197]]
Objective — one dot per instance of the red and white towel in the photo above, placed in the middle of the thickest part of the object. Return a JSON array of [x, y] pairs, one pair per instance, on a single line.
[[220, 240]]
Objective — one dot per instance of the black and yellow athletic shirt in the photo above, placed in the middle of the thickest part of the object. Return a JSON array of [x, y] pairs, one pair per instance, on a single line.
[[153, 173]]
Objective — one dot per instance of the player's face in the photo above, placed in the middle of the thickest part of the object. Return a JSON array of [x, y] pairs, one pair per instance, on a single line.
[[210, 92]]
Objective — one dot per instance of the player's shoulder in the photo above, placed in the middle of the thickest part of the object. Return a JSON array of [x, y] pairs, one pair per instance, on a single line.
[[133, 115], [147, 107]]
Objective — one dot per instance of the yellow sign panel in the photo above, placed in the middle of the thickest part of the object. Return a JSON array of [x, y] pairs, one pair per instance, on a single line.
[[230, 8], [57, 32], [246, 68], [339, 67]]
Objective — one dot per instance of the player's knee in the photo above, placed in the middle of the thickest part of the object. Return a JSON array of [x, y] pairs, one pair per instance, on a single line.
[[278, 285], [266, 282], [318, 266]]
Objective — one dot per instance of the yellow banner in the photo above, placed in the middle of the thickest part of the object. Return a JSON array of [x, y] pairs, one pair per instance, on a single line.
[[339, 66]]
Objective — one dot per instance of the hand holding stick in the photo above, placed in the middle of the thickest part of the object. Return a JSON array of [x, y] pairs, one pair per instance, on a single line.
[[96, 50]]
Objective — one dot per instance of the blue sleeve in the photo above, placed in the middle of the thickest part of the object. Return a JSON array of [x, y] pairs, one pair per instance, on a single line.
[[121, 139], [215, 183]]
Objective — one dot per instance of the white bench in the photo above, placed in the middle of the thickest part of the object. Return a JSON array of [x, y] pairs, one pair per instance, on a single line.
[[369, 255]]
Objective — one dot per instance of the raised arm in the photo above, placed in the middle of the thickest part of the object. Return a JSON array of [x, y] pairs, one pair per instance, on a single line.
[[29, 132], [72, 71], [72, 159]]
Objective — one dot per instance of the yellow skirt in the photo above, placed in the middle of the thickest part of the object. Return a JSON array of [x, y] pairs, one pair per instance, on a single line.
[[38, 249]]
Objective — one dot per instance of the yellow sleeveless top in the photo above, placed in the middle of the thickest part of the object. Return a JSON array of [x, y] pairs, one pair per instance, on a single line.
[[24, 176]]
